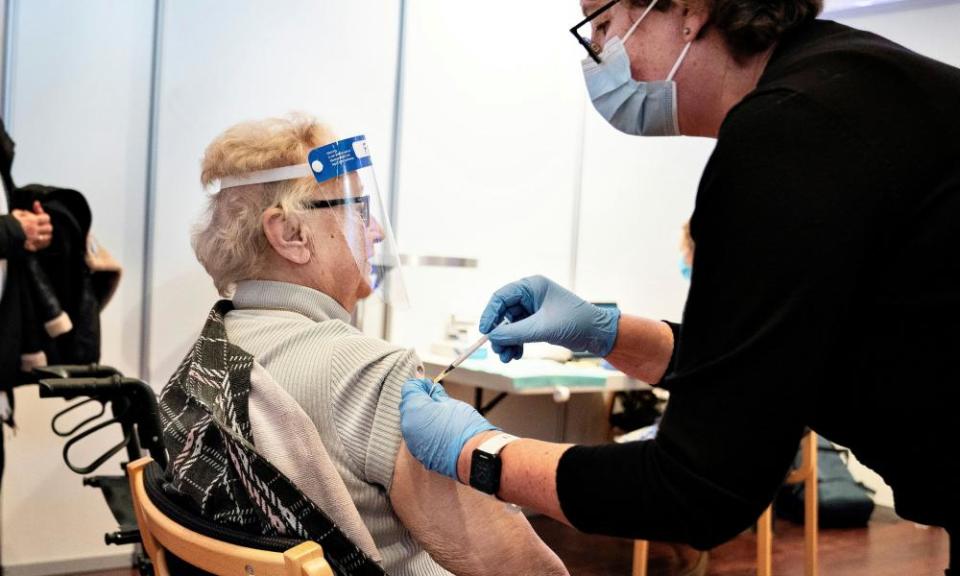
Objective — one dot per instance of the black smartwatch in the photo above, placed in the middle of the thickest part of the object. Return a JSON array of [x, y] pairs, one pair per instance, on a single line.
[[485, 464]]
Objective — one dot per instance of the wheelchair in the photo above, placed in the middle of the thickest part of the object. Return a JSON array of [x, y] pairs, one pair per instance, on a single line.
[[132, 405], [171, 538]]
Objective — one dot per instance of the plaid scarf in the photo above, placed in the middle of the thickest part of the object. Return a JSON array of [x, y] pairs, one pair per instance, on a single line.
[[214, 464]]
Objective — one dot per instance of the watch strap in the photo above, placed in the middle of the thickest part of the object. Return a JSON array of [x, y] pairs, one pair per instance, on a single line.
[[496, 443]]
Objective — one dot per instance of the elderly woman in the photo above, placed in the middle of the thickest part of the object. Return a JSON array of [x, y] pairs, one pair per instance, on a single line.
[[295, 245]]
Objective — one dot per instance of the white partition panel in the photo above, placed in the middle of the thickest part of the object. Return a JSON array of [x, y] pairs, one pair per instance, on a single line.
[[637, 193], [225, 61], [79, 97], [928, 28], [490, 151]]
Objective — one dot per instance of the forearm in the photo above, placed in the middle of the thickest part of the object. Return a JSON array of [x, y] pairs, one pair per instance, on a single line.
[[529, 473], [465, 531], [643, 348], [632, 490]]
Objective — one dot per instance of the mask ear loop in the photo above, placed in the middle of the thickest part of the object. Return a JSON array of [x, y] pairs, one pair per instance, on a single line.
[[639, 20], [673, 72], [676, 66]]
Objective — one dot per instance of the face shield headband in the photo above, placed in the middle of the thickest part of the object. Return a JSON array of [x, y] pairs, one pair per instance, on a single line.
[[351, 198]]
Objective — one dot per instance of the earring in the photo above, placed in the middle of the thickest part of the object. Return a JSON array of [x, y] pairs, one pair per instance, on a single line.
[[686, 31]]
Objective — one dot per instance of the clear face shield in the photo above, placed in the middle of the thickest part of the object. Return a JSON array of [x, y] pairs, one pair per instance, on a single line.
[[351, 215]]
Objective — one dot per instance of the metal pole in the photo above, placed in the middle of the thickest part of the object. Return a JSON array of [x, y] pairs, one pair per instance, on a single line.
[[150, 191]]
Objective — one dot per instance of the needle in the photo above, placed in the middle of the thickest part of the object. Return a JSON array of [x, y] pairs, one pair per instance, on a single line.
[[466, 354]]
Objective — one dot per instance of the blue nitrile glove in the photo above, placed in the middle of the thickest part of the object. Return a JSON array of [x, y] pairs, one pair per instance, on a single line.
[[540, 310], [435, 426]]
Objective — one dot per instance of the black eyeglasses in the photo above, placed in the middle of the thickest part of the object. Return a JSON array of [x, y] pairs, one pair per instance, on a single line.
[[363, 201], [592, 48]]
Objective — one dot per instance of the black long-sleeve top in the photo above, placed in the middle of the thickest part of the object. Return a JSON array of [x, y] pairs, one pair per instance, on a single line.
[[825, 293]]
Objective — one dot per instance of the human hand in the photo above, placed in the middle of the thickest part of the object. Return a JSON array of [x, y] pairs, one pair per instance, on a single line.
[[435, 426], [36, 227], [540, 310]]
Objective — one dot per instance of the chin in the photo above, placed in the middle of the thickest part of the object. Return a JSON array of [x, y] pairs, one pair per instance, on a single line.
[[363, 291]]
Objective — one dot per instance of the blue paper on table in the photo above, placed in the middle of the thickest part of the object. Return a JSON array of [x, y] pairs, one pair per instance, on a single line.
[[542, 373], [479, 354]]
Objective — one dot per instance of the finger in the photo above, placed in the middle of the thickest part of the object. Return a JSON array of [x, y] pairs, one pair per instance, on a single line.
[[415, 390], [517, 312], [497, 348], [38, 208], [437, 391], [505, 298], [516, 333], [42, 218], [44, 229], [508, 353]]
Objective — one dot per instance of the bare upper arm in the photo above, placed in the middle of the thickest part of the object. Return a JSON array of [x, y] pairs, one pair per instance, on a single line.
[[465, 531]]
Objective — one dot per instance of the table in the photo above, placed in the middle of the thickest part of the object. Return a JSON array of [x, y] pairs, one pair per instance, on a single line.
[[529, 377]]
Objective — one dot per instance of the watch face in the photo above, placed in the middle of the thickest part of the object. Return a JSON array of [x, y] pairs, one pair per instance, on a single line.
[[485, 472]]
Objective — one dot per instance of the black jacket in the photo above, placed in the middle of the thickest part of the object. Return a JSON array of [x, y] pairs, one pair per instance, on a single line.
[[54, 279], [12, 249]]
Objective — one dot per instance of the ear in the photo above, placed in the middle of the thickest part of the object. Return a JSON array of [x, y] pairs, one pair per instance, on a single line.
[[285, 234], [694, 20]]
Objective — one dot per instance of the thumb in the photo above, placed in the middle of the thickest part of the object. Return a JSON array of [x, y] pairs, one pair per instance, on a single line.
[[37, 207], [517, 333], [416, 392]]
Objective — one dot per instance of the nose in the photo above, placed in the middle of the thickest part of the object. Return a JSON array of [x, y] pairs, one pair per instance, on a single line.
[[375, 231]]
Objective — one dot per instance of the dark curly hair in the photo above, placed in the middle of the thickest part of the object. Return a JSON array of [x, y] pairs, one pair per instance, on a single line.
[[750, 26]]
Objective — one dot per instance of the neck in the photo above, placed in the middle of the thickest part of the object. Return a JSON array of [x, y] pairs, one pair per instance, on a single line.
[[715, 70], [282, 271]]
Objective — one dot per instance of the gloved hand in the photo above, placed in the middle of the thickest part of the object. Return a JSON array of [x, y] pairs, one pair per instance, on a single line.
[[540, 310], [435, 426]]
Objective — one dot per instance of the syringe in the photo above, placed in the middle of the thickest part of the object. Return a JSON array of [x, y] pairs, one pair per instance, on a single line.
[[466, 354]]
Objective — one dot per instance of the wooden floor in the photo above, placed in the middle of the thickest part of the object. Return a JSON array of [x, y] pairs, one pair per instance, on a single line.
[[890, 547]]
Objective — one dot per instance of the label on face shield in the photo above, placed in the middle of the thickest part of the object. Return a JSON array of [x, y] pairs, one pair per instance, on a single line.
[[339, 158]]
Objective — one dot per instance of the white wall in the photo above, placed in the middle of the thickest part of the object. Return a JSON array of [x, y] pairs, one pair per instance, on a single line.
[[79, 98], [637, 193], [224, 62], [490, 152], [930, 29]]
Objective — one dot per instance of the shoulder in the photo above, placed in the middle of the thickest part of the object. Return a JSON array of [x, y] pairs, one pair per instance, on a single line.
[[348, 341], [869, 83], [779, 115], [784, 166], [333, 347], [785, 140]]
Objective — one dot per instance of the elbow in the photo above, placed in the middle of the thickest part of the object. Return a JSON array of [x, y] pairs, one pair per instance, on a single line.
[[728, 516], [715, 530]]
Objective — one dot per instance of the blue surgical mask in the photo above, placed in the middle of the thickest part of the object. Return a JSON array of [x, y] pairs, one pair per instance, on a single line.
[[637, 108], [685, 269]]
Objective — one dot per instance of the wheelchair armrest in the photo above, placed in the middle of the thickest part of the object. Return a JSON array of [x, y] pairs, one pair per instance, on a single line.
[[75, 371], [137, 400], [70, 388]]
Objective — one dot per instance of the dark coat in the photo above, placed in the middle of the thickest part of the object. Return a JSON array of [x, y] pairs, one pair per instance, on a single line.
[[12, 249], [39, 286]]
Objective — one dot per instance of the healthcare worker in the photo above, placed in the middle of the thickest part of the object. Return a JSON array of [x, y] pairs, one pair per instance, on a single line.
[[825, 288]]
